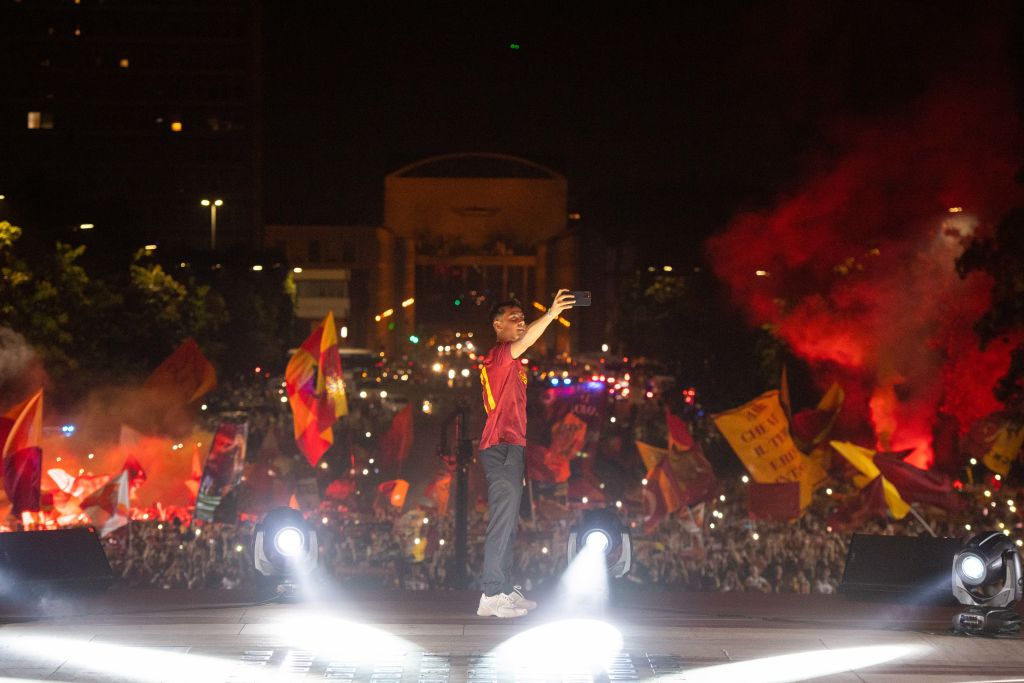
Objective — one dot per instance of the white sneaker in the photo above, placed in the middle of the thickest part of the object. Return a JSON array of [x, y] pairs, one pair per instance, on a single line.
[[520, 600], [499, 605]]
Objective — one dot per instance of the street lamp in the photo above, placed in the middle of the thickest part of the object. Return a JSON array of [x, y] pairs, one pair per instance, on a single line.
[[213, 219]]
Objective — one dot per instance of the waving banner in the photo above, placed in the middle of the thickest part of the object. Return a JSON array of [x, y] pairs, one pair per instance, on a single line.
[[759, 434]]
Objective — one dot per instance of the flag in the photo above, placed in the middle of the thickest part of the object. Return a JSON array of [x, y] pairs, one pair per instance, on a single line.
[[660, 496], [862, 460], [136, 475], [223, 469], [759, 434], [1005, 448], [812, 426], [107, 508], [663, 493], [544, 465], [21, 430], [395, 490], [196, 473], [682, 478], [396, 443], [774, 501], [185, 375], [694, 473], [551, 464], [693, 518], [679, 438], [316, 390], [868, 503], [440, 491], [916, 485], [568, 436], [340, 489]]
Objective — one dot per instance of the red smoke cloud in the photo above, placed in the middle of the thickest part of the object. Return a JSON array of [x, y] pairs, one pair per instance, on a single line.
[[856, 266]]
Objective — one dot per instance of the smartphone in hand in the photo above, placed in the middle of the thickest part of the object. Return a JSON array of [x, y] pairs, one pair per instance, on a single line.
[[582, 298]]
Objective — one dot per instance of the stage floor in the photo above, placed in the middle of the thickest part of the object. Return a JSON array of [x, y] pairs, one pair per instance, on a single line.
[[435, 637]]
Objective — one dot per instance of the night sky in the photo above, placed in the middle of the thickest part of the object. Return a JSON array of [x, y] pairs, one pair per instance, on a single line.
[[666, 118]]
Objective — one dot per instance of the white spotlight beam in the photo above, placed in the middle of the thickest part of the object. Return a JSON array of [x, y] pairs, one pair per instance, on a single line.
[[801, 666]]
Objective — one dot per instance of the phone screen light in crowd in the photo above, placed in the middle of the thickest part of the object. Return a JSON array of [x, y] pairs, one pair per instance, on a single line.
[[604, 348], [344, 332]]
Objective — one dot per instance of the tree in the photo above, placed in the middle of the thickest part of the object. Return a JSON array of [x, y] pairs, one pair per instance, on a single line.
[[1002, 258], [90, 331]]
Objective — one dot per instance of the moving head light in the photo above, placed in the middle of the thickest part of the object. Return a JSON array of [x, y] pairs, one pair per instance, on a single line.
[[987, 577], [602, 532], [285, 546]]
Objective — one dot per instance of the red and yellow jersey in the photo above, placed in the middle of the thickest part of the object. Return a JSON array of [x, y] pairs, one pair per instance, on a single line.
[[503, 381]]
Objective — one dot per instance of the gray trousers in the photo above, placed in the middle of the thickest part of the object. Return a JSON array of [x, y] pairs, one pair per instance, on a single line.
[[504, 467]]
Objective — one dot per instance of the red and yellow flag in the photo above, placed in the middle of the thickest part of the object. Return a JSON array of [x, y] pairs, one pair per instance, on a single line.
[[316, 390], [21, 430], [395, 490], [863, 461], [186, 374]]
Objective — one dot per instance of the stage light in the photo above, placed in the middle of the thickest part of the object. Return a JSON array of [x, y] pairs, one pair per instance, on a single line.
[[987, 577], [289, 542], [597, 539], [602, 532], [285, 546]]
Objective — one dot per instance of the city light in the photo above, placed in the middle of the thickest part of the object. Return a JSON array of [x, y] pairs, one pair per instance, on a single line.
[[86, 226], [408, 302]]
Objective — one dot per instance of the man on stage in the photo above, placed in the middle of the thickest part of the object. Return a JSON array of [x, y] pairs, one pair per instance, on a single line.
[[503, 447]]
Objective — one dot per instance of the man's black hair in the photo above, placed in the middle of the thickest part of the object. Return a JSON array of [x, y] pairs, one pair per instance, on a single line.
[[499, 307]]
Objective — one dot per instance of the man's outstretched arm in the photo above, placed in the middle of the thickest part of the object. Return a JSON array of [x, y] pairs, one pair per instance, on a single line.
[[563, 301]]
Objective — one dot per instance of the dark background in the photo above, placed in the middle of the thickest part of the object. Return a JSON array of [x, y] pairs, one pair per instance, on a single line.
[[665, 118]]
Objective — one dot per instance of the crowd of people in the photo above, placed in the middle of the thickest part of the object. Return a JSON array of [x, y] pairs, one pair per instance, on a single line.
[[414, 550], [715, 547]]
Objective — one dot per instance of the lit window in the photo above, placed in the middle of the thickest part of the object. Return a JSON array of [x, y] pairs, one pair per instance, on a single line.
[[176, 126], [40, 120]]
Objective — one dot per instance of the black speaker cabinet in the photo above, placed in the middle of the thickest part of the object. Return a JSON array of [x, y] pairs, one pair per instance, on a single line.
[[63, 560], [916, 569]]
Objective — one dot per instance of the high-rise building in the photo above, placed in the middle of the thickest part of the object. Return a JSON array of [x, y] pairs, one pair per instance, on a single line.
[[124, 115]]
